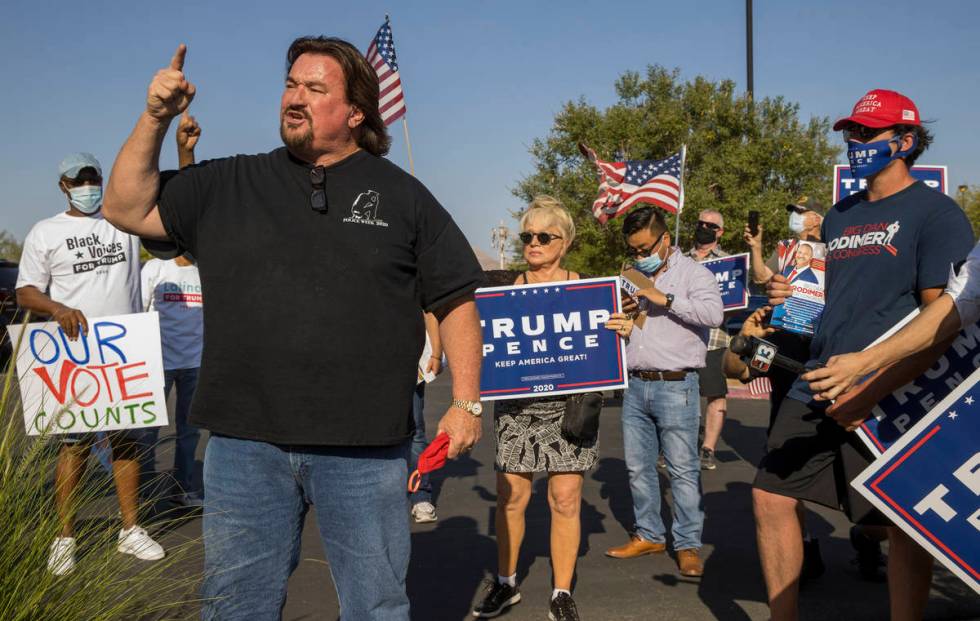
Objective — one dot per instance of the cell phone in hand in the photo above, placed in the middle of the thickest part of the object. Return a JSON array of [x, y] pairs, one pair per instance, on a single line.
[[754, 222]]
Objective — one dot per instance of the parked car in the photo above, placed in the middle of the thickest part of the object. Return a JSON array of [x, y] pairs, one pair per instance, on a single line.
[[9, 311]]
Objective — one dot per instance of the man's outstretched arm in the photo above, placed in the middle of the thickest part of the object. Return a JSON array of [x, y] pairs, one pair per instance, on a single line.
[[131, 195]]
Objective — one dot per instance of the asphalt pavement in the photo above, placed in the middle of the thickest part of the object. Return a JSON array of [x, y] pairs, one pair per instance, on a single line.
[[452, 556]]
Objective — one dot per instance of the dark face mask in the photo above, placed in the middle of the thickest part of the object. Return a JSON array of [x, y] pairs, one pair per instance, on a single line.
[[703, 235]]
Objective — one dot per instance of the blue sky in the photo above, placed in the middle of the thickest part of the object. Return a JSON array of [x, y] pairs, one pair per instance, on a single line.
[[482, 79]]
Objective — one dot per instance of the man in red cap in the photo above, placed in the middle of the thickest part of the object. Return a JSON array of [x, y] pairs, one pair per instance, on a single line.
[[889, 250]]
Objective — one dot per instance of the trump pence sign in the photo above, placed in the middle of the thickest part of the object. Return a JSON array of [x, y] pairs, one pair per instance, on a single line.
[[549, 339], [928, 482]]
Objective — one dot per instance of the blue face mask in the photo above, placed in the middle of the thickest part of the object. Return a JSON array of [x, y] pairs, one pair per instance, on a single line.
[[649, 265], [869, 158], [796, 222], [87, 198]]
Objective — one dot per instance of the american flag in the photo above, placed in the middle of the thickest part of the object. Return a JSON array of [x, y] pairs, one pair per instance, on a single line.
[[760, 386], [381, 55], [624, 184]]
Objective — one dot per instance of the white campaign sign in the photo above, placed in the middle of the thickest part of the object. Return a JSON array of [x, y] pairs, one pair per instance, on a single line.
[[110, 379]]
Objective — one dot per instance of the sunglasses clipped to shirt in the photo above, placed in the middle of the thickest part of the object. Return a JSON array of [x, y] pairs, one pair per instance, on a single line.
[[543, 238], [318, 198]]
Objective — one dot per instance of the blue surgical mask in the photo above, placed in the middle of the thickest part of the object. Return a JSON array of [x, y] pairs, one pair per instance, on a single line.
[[87, 198], [649, 265], [796, 222], [869, 158]]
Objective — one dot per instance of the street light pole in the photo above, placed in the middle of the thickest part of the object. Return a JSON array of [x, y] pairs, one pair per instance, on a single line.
[[498, 237], [748, 49]]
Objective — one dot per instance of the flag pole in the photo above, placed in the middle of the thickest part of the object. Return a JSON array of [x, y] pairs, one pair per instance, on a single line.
[[408, 145], [408, 142], [680, 203]]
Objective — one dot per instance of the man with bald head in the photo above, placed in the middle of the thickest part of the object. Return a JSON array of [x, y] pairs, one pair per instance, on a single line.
[[317, 259]]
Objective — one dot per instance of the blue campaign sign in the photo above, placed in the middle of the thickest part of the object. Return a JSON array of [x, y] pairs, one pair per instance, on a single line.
[[549, 339], [928, 483], [845, 184], [897, 412], [732, 274]]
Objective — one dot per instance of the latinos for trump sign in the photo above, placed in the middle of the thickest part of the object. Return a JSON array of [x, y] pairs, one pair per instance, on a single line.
[[732, 275], [897, 412], [928, 482], [550, 339], [845, 184], [111, 378]]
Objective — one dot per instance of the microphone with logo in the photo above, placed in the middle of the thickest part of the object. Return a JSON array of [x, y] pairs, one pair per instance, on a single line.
[[760, 355]]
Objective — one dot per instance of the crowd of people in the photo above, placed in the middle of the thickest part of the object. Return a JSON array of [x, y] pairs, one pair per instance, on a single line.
[[351, 295]]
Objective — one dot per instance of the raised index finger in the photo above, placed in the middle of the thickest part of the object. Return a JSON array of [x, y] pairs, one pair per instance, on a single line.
[[177, 62]]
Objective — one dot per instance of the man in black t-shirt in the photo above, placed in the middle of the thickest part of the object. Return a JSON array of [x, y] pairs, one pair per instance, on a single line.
[[889, 249], [317, 259]]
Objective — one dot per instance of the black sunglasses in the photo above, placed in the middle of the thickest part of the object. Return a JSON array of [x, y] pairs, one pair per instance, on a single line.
[[318, 199], [862, 132], [708, 225], [543, 238], [644, 252]]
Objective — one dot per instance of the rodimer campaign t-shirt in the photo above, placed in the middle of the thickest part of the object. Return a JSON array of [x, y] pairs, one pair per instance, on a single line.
[[83, 262], [174, 292], [879, 256], [313, 321]]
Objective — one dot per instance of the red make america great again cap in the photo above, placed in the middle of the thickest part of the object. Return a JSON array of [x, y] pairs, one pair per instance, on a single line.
[[881, 108]]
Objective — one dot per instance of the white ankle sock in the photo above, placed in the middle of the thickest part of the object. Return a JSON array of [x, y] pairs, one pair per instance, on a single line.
[[508, 580], [555, 593]]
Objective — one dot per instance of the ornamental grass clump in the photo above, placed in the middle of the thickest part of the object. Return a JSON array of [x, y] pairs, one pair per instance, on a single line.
[[105, 585]]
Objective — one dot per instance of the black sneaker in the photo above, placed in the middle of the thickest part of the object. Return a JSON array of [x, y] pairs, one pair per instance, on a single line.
[[563, 608], [869, 558], [813, 566], [497, 598]]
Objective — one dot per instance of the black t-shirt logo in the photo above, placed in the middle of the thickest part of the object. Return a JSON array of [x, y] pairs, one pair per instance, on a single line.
[[365, 209]]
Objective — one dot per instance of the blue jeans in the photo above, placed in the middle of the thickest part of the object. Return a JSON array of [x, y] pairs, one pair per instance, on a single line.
[[424, 493], [187, 435], [663, 416], [256, 496]]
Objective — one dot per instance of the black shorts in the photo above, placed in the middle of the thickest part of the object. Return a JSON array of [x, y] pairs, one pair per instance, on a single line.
[[810, 457], [711, 378]]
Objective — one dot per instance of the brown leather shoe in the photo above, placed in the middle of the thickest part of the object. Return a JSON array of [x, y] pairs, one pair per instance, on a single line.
[[690, 563], [637, 546]]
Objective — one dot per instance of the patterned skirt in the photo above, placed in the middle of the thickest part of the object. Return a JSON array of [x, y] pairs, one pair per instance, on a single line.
[[528, 437]]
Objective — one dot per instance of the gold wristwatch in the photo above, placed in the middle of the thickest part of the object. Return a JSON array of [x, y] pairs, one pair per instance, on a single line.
[[473, 407]]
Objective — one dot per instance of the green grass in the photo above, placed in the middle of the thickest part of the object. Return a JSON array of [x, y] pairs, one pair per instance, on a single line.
[[105, 584]]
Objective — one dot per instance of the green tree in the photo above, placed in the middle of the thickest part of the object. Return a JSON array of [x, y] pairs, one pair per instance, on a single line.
[[10, 248], [969, 199], [742, 155]]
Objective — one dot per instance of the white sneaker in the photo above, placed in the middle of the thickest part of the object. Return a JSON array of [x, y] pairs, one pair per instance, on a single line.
[[135, 541], [424, 512], [190, 499], [61, 560]]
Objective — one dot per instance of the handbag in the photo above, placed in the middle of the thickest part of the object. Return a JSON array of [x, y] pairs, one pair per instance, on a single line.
[[580, 422]]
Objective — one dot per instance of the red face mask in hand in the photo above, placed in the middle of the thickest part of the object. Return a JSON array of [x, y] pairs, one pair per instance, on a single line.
[[432, 458]]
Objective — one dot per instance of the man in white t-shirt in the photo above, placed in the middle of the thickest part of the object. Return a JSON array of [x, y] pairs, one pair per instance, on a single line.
[[76, 265], [173, 289]]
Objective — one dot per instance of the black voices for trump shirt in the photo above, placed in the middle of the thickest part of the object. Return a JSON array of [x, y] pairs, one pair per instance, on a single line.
[[879, 256], [313, 322]]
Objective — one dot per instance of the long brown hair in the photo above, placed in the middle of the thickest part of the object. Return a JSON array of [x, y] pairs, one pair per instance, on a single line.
[[360, 84]]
